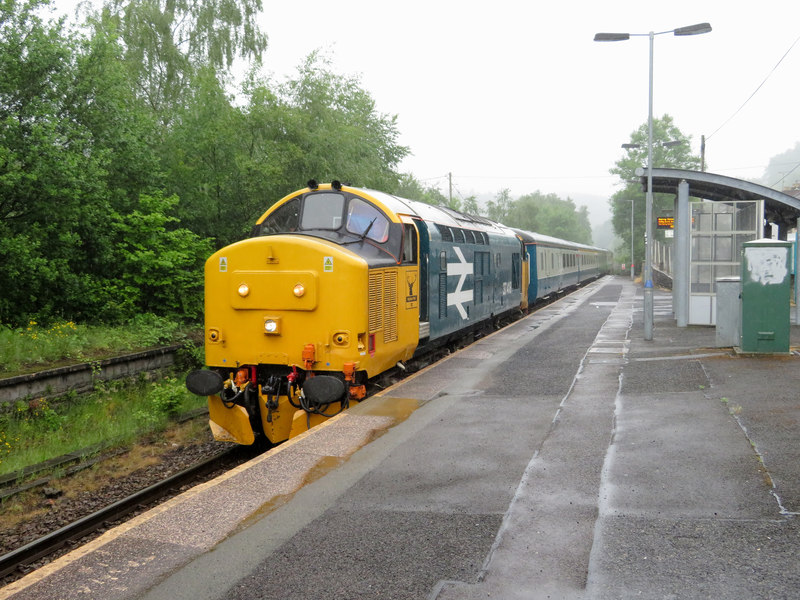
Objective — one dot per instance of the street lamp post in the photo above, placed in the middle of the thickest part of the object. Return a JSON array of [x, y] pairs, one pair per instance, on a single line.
[[631, 239], [648, 240]]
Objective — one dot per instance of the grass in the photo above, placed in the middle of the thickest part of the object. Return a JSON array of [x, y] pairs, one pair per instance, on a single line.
[[29, 506], [36, 346], [36, 430]]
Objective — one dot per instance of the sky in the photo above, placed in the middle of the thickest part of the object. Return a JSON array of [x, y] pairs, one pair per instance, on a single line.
[[516, 94]]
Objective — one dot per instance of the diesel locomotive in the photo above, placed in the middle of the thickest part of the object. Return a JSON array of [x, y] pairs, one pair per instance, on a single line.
[[338, 284]]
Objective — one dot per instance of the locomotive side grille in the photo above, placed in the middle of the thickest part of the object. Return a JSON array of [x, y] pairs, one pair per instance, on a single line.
[[375, 300], [442, 295], [389, 308]]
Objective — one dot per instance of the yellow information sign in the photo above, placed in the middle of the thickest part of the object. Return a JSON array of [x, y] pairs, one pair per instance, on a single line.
[[666, 222]]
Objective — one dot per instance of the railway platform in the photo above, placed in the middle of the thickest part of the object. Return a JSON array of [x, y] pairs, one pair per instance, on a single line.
[[561, 457]]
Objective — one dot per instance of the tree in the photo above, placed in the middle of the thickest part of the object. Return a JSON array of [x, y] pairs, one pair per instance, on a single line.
[[411, 188], [677, 156], [550, 215], [79, 184], [156, 267], [51, 174], [167, 40], [470, 206], [498, 209], [318, 125], [203, 156], [335, 124]]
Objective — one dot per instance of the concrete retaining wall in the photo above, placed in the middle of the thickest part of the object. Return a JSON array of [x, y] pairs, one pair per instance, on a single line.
[[82, 377]]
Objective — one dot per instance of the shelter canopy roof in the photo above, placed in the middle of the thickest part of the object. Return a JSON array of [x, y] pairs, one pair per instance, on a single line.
[[779, 207]]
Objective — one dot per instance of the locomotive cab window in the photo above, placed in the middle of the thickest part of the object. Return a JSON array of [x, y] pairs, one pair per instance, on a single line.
[[322, 210], [284, 219], [365, 220]]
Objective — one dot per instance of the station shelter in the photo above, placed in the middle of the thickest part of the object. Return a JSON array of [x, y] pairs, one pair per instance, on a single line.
[[710, 231]]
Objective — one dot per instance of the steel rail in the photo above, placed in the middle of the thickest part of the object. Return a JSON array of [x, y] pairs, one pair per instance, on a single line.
[[51, 542]]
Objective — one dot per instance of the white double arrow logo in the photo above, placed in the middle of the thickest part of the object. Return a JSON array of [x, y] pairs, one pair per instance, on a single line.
[[462, 269]]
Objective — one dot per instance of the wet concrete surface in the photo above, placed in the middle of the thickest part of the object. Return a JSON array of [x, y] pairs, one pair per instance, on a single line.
[[564, 457]]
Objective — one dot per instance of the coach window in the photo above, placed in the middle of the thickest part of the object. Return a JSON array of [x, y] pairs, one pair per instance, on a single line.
[[322, 210], [365, 220]]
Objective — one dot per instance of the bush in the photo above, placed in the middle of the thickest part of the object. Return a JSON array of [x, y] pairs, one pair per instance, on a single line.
[[35, 345]]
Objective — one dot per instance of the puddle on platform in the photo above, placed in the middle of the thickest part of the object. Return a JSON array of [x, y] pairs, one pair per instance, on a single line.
[[398, 409], [325, 465]]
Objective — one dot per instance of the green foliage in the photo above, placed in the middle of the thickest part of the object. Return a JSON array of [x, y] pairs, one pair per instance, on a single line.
[[470, 206], [123, 159], [34, 344], [205, 158], [166, 40], [409, 187], [499, 208], [675, 156], [158, 269], [38, 430], [340, 134], [542, 213], [550, 215], [166, 395]]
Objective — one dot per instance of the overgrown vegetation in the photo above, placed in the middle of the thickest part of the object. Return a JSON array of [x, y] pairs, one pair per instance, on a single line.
[[125, 159], [127, 153], [36, 430], [33, 346]]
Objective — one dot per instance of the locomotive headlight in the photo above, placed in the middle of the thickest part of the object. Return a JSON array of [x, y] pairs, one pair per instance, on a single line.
[[299, 290], [272, 326], [244, 290]]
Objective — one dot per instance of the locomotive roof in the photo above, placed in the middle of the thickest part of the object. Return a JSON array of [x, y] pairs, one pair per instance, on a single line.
[[529, 237], [434, 214], [453, 218]]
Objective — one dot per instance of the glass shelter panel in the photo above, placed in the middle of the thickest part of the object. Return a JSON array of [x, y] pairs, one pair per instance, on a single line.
[[718, 231]]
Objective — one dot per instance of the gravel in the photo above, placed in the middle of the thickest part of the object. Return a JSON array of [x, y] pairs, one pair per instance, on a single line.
[[62, 510]]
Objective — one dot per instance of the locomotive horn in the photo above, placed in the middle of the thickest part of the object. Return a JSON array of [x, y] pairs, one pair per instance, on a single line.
[[337, 185], [312, 184]]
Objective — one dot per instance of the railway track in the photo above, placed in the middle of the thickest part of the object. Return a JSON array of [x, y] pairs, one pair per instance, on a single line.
[[17, 560], [71, 463]]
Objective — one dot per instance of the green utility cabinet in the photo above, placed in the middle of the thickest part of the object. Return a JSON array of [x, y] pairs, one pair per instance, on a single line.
[[766, 295]]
